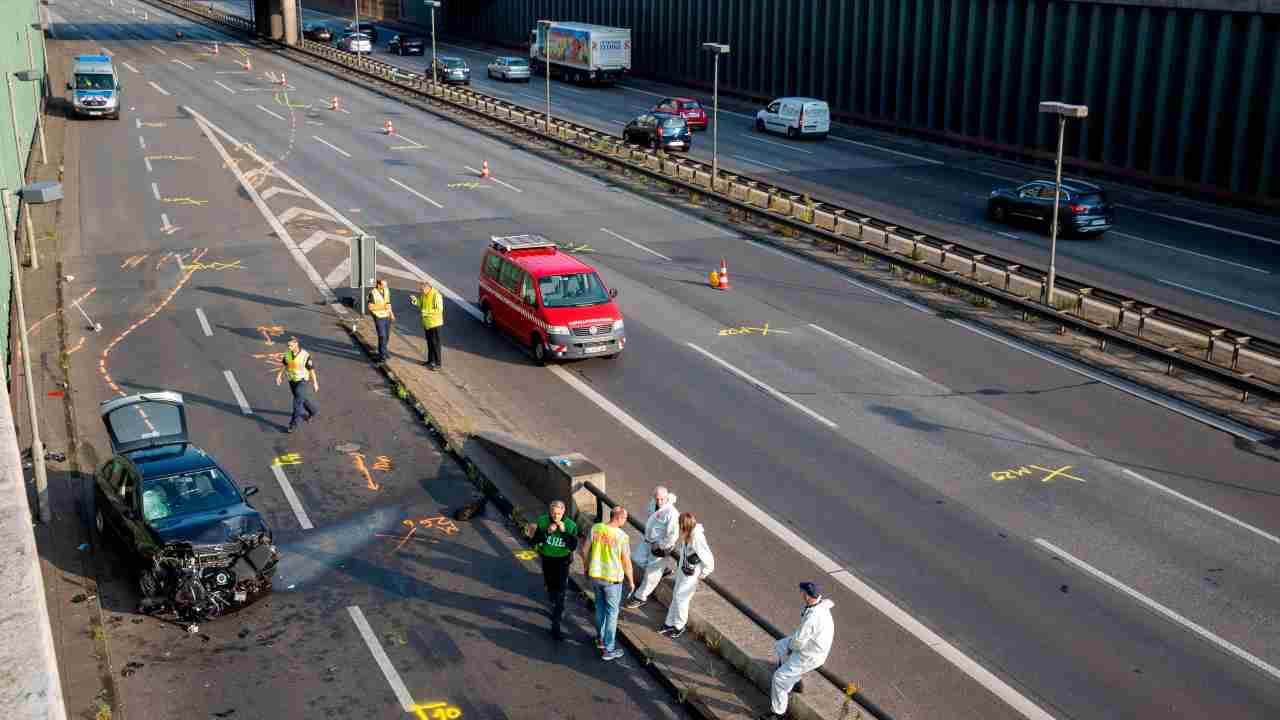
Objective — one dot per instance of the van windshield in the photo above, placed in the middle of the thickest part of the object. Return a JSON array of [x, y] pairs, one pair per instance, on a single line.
[[572, 290], [95, 81]]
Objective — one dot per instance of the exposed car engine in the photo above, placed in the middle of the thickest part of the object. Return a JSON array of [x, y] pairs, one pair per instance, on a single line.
[[201, 582]]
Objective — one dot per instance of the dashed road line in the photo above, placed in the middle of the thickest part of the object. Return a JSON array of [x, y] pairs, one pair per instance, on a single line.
[[778, 395], [744, 158], [494, 179], [153, 47], [415, 192], [131, 68], [881, 148], [155, 190], [292, 498], [228, 88], [778, 144], [142, 142], [1190, 252], [1209, 509], [321, 140], [1206, 293], [875, 356], [176, 60], [235, 390], [281, 118], [204, 323], [1198, 223], [380, 656], [147, 161], [635, 244], [159, 89]]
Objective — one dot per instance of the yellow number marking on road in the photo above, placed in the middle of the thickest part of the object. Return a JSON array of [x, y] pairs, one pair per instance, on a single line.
[[751, 330], [287, 459], [152, 124], [526, 554], [216, 265], [436, 711], [1030, 471], [171, 157], [411, 147]]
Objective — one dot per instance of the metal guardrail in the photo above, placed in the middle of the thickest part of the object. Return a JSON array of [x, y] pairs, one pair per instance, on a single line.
[[604, 501], [1181, 342]]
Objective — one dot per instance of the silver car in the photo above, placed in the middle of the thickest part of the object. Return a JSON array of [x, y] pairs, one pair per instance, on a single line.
[[356, 43], [509, 68]]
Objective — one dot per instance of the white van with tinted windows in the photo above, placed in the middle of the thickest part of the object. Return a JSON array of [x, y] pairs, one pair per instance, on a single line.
[[96, 87], [795, 116]]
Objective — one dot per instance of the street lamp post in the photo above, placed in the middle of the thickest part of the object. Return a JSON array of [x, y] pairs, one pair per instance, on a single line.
[[716, 49], [433, 4], [40, 192], [545, 27], [1063, 111]]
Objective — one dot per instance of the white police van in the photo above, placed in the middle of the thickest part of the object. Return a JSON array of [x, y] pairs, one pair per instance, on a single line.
[[96, 85]]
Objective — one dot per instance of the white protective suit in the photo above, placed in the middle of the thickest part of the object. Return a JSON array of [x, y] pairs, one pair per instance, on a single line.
[[661, 529], [802, 651], [682, 594]]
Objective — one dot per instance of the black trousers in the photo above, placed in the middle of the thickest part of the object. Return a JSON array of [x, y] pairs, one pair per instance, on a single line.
[[433, 345], [555, 573], [384, 331]]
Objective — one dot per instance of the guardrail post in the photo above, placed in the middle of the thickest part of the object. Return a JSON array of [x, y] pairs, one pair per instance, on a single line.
[[1009, 270], [1143, 314], [1124, 305], [973, 270], [943, 249], [1239, 341], [1213, 336], [888, 230]]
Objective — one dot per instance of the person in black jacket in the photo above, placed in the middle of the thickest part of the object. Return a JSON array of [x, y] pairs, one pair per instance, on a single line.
[[555, 540]]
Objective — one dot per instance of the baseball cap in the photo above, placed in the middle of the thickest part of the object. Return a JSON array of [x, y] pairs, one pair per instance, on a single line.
[[813, 590]]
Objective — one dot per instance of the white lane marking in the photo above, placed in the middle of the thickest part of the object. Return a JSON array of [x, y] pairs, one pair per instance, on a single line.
[[277, 190], [635, 244], [571, 91], [282, 119], [1211, 510], [768, 389], [1197, 223], [397, 272], [231, 72], [931, 161], [875, 356], [1178, 406], [645, 92], [321, 140], [781, 145], [292, 497], [176, 60], [155, 190], [147, 161], [491, 177], [380, 656], [339, 273], [786, 535], [164, 225], [861, 286], [142, 141], [235, 390], [153, 47], [159, 89], [1190, 252], [409, 140], [132, 69], [759, 162], [1011, 236], [138, 123], [415, 192], [1188, 288], [224, 87], [1159, 609], [204, 323]]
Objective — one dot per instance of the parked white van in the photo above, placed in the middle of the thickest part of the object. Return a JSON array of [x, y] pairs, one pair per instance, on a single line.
[[796, 116]]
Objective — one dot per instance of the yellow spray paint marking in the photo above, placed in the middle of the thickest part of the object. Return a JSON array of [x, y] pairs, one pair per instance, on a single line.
[[469, 185], [133, 261], [171, 157], [1030, 471], [412, 147], [436, 711], [751, 330], [272, 360], [282, 98], [268, 332], [526, 554], [185, 201], [287, 459], [382, 463], [850, 690], [358, 459], [152, 124], [216, 265]]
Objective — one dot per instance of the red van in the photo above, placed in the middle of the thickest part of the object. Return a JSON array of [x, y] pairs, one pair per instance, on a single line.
[[548, 299]]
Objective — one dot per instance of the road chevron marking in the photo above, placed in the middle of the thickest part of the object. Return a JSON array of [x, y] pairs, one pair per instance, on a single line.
[[277, 190], [294, 212], [320, 236]]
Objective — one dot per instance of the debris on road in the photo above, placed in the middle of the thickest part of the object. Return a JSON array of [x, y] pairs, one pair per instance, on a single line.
[[130, 668]]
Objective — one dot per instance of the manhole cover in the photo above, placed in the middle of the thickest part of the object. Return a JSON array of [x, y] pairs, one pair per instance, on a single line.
[[347, 447]]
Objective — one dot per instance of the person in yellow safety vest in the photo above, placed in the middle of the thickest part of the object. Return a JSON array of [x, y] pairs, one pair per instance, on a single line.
[[383, 315], [431, 303], [296, 364]]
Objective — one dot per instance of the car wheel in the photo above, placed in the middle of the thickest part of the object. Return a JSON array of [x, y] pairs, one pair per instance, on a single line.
[[998, 213], [792, 133], [539, 350], [490, 74], [486, 316], [759, 125]]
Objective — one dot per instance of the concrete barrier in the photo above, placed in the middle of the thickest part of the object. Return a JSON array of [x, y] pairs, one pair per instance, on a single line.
[[549, 476], [30, 686]]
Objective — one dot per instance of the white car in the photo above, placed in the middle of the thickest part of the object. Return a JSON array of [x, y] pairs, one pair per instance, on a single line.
[[795, 116], [356, 43], [509, 68]]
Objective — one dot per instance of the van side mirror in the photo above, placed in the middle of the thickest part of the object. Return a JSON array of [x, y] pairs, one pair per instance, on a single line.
[[613, 292], [69, 85]]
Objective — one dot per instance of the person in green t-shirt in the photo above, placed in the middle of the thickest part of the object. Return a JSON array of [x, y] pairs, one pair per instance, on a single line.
[[555, 541]]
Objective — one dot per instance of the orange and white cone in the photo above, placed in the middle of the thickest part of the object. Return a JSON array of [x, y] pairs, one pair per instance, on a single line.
[[215, 48], [248, 66], [387, 127], [283, 82], [484, 169], [724, 275], [333, 104]]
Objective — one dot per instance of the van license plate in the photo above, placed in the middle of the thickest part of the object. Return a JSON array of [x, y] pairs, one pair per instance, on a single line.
[[594, 349], [1098, 222]]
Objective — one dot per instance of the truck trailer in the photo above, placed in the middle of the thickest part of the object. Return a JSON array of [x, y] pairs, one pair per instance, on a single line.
[[581, 53]]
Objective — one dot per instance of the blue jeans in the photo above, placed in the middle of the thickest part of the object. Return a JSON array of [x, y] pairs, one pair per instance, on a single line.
[[383, 326], [301, 403], [608, 598]]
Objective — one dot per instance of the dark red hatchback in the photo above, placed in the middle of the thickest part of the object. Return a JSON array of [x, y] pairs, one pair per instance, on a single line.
[[691, 110]]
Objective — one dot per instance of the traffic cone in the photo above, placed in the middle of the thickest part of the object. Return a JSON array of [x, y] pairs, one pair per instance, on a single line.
[[484, 169], [215, 48], [282, 80], [724, 275], [178, 34], [387, 127], [248, 66], [333, 104]]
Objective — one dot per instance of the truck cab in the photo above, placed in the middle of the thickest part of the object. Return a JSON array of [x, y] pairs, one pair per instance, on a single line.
[[96, 87]]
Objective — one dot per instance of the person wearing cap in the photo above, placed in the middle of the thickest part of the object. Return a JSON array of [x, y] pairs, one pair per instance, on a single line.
[[803, 650], [661, 531], [296, 363], [432, 305], [383, 315]]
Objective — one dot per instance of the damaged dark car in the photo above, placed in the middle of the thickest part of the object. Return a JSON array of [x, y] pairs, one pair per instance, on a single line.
[[200, 547]]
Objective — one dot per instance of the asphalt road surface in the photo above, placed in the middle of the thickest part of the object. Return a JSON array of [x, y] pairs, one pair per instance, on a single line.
[[1216, 263], [1003, 537]]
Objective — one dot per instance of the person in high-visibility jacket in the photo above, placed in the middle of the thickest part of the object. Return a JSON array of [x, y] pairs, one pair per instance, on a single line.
[[383, 315], [296, 364], [431, 302]]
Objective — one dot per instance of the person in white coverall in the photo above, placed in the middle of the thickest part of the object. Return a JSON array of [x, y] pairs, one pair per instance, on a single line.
[[803, 650], [694, 562], [650, 555]]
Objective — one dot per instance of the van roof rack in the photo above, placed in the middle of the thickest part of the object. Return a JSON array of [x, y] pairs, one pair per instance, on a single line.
[[510, 243], [93, 59]]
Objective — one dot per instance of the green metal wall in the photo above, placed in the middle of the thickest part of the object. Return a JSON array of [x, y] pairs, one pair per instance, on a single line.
[[1188, 98], [16, 18]]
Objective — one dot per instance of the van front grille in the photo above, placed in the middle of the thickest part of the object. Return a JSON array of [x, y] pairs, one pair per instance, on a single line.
[[585, 331]]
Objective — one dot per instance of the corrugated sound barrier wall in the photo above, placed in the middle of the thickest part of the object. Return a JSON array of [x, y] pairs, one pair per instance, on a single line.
[[1178, 94]]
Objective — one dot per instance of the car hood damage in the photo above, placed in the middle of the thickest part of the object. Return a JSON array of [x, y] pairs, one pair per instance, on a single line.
[[215, 527], [208, 566]]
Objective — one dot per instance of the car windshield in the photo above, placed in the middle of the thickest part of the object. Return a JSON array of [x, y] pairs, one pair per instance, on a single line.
[[452, 63], [572, 290], [673, 122], [517, 62], [193, 492], [690, 105], [95, 81]]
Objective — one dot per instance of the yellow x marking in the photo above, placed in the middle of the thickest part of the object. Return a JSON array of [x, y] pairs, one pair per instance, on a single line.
[[1060, 472], [186, 201], [749, 330], [471, 185]]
